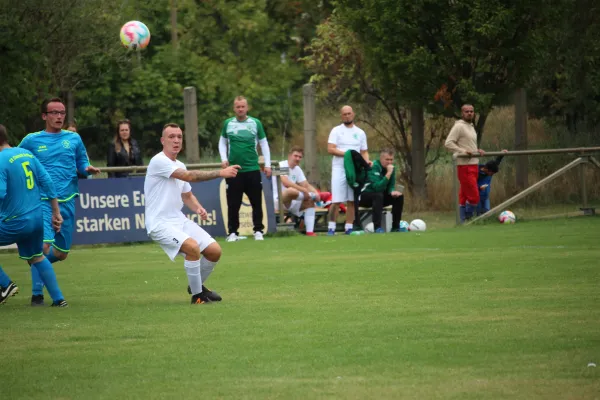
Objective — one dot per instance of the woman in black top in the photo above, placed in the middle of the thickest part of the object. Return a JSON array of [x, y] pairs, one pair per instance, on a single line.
[[123, 150]]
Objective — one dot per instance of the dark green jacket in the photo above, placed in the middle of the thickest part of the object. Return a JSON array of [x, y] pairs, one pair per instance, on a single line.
[[377, 182], [356, 169]]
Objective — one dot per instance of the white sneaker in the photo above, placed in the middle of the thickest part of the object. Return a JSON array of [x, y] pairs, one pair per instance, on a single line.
[[258, 236], [232, 238]]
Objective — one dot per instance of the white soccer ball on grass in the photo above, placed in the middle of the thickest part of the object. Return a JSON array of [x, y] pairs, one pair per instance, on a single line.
[[507, 217], [417, 225]]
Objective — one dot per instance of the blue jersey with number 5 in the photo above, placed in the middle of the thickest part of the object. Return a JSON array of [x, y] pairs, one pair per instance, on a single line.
[[63, 155], [21, 179]]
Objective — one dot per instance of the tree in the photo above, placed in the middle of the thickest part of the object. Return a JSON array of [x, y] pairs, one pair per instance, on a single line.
[[49, 49], [475, 52], [434, 54], [341, 71], [566, 84]]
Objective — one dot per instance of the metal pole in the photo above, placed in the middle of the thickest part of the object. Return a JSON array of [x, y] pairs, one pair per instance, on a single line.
[[280, 200], [594, 161], [190, 115], [584, 199], [455, 189], [574, 150], [529, 190]]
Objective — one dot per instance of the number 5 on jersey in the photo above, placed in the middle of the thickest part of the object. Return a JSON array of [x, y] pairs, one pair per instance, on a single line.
[[28, 174]]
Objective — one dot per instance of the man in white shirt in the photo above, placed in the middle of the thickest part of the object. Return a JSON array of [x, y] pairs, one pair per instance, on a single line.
[[343, 138], [297, 195], [166, 190]]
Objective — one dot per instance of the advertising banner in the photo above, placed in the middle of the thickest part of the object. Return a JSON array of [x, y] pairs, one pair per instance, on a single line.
[[112, 210]]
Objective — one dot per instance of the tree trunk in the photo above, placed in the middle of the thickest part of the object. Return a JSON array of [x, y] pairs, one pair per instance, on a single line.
[[479, 127], [310, 134], [418, 175], [521, 137]]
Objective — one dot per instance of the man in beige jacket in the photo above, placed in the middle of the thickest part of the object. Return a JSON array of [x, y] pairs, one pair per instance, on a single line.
[[463, 139]]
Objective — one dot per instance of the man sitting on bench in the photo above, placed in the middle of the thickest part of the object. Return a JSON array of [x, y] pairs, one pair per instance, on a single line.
[[379, 191], [297, 196]]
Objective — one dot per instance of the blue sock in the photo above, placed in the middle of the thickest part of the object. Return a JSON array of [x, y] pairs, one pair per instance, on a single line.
[[51, 257], [45, 270], [462, 213], [469, 209], [4, 279], [37, 284]]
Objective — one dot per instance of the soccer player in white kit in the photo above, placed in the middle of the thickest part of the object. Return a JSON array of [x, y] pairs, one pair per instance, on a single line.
[[342, 138], [297, 195], [166, 190]]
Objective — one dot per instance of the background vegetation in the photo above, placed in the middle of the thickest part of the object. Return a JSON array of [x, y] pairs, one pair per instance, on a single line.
[[398, 61]]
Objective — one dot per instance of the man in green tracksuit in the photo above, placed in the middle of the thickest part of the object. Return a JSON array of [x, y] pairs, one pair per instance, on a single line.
[[237, 145], [379, 191]]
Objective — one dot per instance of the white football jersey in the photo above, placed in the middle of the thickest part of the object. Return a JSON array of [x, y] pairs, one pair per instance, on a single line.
[[347, 139], [162, 193], [296, 175]]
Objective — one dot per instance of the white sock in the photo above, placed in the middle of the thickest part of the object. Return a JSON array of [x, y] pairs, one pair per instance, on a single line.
[[309, 219], [207, 268], [348, 226], [331, 225], [300, 196], [192, 269]]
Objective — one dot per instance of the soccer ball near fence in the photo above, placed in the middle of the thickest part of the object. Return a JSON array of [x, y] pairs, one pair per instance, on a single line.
[[507, 217], [417, 225], [135, 35]]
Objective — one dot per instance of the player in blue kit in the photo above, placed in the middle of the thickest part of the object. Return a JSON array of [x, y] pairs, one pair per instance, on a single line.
[[484, 182], [21, 178], [63, 154]]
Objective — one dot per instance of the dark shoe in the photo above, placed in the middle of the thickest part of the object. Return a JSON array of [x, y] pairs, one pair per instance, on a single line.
[[37, 300], [212, 296], [200, 298], [8, 291], [60, 303]]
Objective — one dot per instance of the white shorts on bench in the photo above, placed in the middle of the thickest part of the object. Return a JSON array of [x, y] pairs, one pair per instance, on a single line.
[[170, 236]]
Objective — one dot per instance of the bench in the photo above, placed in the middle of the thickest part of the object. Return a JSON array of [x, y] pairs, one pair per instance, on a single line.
[[322, 220]]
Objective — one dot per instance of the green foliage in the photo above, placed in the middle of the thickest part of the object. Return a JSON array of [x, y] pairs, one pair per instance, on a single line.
[[441, 54], [225, 48], [47, 48], [566, 85]]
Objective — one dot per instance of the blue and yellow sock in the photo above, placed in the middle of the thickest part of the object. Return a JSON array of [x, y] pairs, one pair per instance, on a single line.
[[46, 272], [4, 279]]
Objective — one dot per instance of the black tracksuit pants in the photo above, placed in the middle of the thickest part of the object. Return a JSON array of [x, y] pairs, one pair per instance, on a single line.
[[251, 184], [379, 200]]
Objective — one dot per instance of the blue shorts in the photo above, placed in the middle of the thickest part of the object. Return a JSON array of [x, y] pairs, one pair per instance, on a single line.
[[27, 231], [63, 239]]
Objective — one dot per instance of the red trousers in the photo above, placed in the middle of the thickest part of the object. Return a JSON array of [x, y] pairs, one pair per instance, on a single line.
[[469, 192]]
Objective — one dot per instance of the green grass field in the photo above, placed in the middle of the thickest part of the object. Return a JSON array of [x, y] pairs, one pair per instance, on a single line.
[[482, 312]]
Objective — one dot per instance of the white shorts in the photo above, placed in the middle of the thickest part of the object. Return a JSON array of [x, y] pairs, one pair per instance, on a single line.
[[341, 192], [171, 236]]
